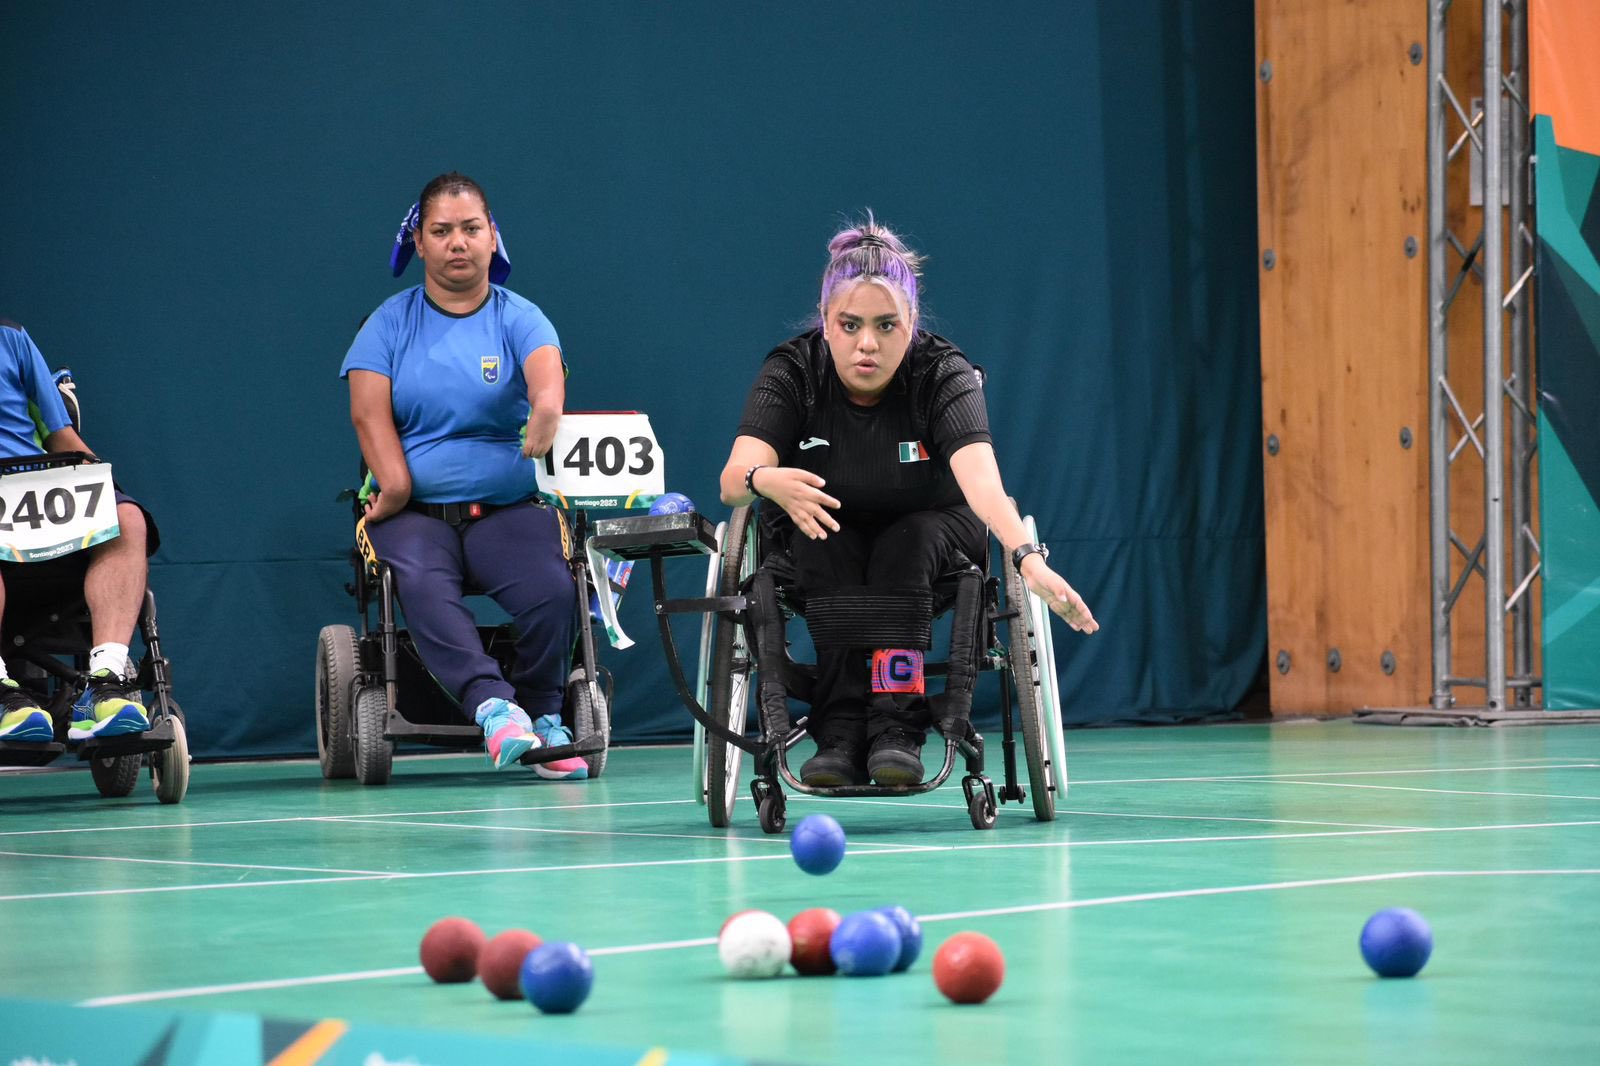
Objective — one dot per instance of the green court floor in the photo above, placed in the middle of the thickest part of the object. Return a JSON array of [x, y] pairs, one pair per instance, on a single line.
[[1198, 899]]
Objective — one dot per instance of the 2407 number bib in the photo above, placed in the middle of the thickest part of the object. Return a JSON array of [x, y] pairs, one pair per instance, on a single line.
[[45, 514]]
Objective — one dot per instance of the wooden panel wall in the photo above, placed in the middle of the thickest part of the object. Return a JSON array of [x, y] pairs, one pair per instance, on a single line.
[[1342, 185]]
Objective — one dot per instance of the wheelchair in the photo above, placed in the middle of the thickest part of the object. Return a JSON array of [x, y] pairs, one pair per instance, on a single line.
[[373, 691], [47, 634], [744, 665]]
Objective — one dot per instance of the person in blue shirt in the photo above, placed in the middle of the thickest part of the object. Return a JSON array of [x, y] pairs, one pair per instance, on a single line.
[[456, 387], [110, 575]]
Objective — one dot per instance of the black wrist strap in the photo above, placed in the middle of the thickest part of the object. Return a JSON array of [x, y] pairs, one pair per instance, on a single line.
[[1025, 550], [750, 483]]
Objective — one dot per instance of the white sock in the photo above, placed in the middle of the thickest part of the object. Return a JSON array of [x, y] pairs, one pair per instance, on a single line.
[[113, 657], [3, 674]]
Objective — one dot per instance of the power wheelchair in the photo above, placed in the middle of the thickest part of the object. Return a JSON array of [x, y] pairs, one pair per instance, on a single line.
[[744, 662], [46, 633], [373, 691]]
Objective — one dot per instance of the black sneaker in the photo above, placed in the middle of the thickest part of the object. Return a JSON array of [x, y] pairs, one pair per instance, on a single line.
[[837, 762], [896, 758]]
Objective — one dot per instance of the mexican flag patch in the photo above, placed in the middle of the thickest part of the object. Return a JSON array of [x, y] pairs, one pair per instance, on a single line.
[[913, 451]]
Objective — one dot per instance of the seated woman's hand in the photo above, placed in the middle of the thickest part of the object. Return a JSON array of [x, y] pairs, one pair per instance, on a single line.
[[799, 493], [386, 502], [1062, 598]]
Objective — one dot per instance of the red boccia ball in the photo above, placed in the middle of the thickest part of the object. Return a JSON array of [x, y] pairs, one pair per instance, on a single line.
[[968, 968], [501, 962], [450, 950], [810, 931]]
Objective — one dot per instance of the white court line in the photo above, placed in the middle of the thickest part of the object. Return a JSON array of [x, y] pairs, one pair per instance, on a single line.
[[991, 912], [1227, 890], [498, 810], [190, 862], [1025, 810], [303, 818], [1335, 773], [765, 838], [215, 886], [335, 817], [907, 849], [1441, 791]]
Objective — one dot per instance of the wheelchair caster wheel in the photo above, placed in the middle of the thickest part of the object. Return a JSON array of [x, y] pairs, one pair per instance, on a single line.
[[981, 809], [169, 769], [771, 812]]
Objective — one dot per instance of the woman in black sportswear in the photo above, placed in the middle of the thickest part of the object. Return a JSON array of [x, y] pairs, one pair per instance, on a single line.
[[872, 436]]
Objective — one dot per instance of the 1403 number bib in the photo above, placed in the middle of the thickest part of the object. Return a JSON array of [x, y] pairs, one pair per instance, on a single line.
[[603, 459]]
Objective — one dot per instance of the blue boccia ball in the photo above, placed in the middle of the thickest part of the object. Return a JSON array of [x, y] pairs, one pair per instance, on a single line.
[[817, 844], [556, 977], [910, 935], [1396, 942], [672, 503], [865, 944]]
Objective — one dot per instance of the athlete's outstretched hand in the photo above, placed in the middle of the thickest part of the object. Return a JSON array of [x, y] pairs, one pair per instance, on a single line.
[[1062, 598], [799, 493]]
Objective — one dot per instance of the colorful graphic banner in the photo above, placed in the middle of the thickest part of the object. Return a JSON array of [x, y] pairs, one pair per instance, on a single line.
[[1564, 38]]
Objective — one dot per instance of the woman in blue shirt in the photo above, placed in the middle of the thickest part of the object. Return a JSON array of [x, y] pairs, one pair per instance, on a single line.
[[456, 386]]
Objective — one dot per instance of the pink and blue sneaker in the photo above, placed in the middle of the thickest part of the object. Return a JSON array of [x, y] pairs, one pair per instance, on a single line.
[[507, 731], [552, 734]]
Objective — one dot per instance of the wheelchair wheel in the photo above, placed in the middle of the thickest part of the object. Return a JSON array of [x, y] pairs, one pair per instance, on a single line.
[[1023, 649], [732, 677], [981, 809], [703, 665], [374, 755], [771, 812], [590, 716], [116, 776], [169, 770], [1049, 683], [338, 658]]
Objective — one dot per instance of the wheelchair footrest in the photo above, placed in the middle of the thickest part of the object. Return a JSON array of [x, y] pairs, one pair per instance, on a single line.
[[16, 754], [158, 737], [592, 744]]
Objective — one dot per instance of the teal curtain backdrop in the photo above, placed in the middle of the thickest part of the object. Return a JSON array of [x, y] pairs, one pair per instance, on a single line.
[[199, 200]]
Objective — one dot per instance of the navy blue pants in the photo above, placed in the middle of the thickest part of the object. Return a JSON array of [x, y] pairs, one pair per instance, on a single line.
[[514, 555]]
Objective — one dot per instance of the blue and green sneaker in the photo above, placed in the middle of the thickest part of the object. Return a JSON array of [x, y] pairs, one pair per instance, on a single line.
[[22, 720], [109, 707]]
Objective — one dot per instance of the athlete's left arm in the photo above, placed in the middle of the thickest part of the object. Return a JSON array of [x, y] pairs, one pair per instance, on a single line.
[[65, 439], [979, 477], [547, 395]]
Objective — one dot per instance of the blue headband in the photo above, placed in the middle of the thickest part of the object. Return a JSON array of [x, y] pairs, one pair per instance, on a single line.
[[405, 247]]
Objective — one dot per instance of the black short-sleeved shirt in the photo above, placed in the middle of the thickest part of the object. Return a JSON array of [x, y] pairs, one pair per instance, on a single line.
[[887, 459]]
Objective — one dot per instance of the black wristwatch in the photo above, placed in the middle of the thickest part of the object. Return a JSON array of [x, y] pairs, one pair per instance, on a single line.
[[1026, 550]]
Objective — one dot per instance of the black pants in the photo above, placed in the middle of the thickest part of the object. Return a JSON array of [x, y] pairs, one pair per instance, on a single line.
[[906, 551]]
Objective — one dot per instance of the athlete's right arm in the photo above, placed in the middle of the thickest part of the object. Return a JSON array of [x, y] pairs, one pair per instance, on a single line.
[[798, 492], [372, 412]]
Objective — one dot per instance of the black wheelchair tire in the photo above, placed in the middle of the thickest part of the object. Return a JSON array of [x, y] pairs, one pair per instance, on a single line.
[[338, 659], [589, 718], [981, 809], [1023, 652], [115, 777], [728, 685], [169, 769], [374, 754], [772, 812]]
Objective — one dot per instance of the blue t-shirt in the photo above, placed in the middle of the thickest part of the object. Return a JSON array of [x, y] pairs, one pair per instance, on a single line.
[[26, 391], [460, 397]]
